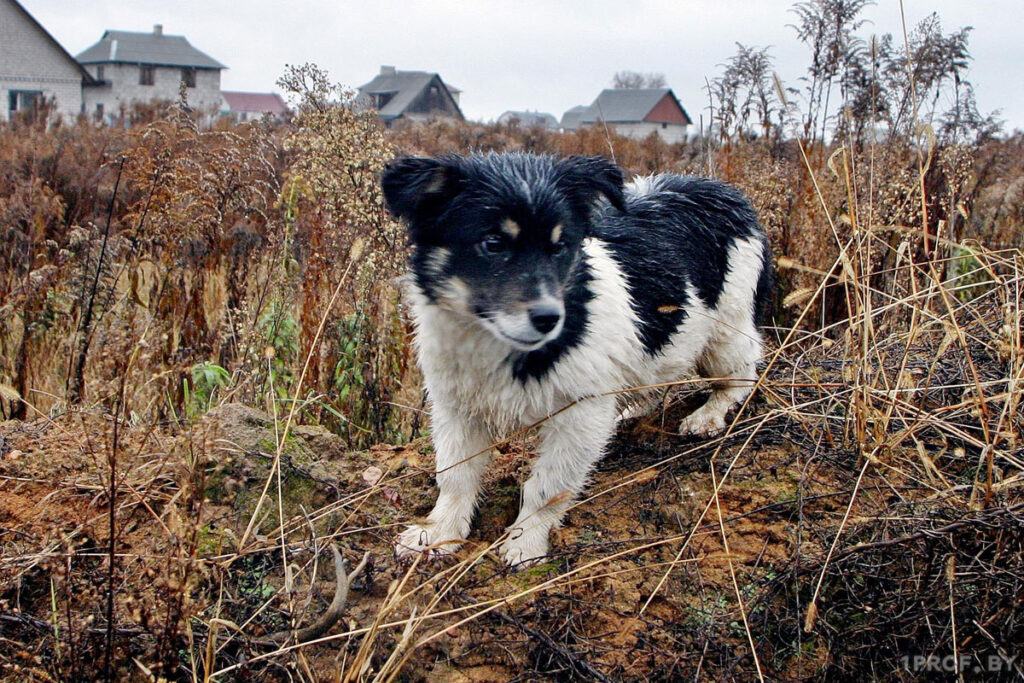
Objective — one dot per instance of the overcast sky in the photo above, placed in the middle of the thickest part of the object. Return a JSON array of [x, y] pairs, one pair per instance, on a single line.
[[526, 54]]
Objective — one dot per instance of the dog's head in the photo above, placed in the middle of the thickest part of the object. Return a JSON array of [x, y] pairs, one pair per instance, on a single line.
[[499, 237]]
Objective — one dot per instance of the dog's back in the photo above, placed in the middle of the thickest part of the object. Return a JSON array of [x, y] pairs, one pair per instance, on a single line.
[[676, 230], [697, 270]]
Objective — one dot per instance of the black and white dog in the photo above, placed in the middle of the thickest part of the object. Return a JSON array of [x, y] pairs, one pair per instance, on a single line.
[[538, 282]]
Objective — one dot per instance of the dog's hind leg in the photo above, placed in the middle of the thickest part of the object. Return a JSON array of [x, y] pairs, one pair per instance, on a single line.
[[462, 448], [571, 443], [732, 366]]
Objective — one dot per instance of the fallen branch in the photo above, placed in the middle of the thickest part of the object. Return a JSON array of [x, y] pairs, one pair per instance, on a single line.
[[336, 608]]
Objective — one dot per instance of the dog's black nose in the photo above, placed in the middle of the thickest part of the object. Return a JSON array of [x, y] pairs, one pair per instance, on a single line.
[[544, 319]]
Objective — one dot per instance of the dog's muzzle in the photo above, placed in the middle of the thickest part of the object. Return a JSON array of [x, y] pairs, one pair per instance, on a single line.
[[528, 327]]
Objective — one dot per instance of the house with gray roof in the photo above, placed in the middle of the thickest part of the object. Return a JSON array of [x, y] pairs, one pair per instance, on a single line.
[[634, 113], [528, 119], [571, 118], [410, 95], [136, 67], [34, 67]]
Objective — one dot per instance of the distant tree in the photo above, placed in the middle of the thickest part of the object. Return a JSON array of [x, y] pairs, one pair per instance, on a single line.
[[635, 80]]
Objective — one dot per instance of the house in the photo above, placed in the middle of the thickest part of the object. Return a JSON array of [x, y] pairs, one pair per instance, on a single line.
[[413, 95], [247, 106], [528, 119], [571, 118], [34, 66], [635, 113], [136, 68]]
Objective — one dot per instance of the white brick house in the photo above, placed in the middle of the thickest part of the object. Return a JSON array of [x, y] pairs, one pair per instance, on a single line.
[[33, 66], [135, 68]]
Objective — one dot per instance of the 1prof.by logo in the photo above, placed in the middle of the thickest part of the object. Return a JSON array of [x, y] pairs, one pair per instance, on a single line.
[[961, 664]]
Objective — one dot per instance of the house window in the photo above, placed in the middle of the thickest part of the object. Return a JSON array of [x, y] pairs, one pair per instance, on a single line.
[[99, 72], [383, 98], [23, 100], [99, 111], [188, 77], [145, 75]]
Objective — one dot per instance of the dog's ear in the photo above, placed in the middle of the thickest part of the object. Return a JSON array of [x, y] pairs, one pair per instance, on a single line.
[[417, 188], [586, 177]]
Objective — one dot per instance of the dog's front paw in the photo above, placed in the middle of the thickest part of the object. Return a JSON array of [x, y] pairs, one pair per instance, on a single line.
[[524, 549], [702, 423], [430, 538]]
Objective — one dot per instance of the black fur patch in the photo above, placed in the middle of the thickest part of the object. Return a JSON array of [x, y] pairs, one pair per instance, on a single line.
[[679, 234]]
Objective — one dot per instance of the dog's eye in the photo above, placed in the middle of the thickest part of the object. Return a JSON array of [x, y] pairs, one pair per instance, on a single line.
[[558, 248], [492, 245]]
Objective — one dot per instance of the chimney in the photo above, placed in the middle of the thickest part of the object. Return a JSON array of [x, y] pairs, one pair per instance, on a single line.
[[387, 71], [158, 29]]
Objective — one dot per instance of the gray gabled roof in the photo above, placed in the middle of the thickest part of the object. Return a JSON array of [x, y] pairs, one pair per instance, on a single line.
[[623, 105], [147, 48], [405, 86], [529, 118], [571, 118]]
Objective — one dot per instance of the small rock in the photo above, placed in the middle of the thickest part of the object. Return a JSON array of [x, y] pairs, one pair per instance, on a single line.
[[373, 474]]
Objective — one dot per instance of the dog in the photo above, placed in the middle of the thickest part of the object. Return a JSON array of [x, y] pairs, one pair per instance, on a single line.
[[541, 285]]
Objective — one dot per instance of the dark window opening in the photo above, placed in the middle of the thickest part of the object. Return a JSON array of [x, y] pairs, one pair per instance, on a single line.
[[24, 100], [383, 98], [188, 77], [99, 111], [99, 72], [145, 75]]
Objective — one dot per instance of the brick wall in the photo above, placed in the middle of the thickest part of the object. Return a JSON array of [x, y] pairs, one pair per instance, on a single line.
[[122, 88], [671, 133], [30, 61]]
